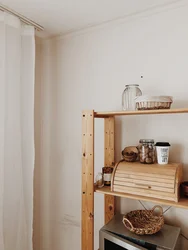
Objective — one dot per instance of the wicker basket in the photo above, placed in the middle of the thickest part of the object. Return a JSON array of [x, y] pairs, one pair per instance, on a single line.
[[144, 221], [153, 102], [130, 154]]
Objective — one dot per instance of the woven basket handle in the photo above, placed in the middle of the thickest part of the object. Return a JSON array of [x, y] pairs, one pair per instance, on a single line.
[[126, 220], [159, 207]]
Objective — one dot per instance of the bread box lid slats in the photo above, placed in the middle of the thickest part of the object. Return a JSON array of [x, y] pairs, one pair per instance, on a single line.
[[154, 182], [167, 170], [158, 181], [149, 177], [162, 175], [144, 186], [140, 190]]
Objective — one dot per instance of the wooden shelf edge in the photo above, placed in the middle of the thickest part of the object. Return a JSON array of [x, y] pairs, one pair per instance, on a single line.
[[140, 112], [183, 202]]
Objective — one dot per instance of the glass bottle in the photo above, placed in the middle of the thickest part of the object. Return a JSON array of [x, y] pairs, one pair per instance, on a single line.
[[128, 97]]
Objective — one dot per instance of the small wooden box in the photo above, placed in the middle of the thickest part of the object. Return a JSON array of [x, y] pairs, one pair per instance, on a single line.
[[152, 180]]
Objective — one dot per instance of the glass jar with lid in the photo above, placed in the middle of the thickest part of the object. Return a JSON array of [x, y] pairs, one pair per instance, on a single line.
[[146, 151], [107, 173], [128, 97]]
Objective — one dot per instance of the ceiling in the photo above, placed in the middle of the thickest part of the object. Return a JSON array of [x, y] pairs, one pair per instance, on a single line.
[[64, 16]]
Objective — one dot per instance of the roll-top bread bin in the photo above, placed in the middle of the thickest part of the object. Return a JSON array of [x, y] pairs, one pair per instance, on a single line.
[[156, 181]]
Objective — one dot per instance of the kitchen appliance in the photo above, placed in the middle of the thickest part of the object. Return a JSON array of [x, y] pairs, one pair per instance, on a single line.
[[114, 236]]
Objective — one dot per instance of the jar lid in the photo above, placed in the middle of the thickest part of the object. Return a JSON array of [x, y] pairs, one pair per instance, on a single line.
[[132, 85], [146, 141], [162, 144]]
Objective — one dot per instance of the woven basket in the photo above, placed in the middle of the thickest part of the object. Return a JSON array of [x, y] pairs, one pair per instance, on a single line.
[[152, 105], [153, 102], [144, 221], [130, 154]]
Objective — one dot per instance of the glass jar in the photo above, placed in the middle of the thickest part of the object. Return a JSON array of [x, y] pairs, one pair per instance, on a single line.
[[128, 97], [99, 180], [146, 151], [107, 173]]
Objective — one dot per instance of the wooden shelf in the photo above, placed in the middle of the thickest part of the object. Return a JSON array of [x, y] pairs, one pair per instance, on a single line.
[[140, 112], [88, 189], [183, 202]]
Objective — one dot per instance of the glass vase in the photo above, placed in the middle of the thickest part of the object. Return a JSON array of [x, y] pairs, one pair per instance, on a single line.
[[128, 97]]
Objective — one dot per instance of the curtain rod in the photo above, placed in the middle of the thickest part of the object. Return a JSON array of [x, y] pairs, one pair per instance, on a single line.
[[22, 18]]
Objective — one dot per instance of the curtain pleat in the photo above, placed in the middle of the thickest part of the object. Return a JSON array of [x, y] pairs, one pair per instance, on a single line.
[[17, 62]]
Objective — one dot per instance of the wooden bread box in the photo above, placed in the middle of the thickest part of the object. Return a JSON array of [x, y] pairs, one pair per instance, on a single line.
[[151, 180]]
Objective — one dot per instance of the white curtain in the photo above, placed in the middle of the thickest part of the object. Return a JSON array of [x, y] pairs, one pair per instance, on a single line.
[[17, 66]]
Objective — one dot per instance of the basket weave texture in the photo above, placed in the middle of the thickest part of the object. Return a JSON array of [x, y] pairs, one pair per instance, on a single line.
[[130, 154], [152, 105], [144, 221]]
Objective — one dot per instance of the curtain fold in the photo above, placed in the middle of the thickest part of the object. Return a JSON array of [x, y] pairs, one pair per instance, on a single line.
[[17, 70]]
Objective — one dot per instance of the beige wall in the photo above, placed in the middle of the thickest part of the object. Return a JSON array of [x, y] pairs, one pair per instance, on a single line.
[[45, 92], [88, 70], [37, 186]]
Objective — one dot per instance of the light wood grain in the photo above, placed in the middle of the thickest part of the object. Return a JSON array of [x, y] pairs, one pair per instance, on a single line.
[[87, 180], [137, 167], [149, 177], [157, 187], [158, 183], [145, 185], [170, 177], [182, 203], [178, 181], [109, 201], [145, 192], [109, 141], [105, 114]]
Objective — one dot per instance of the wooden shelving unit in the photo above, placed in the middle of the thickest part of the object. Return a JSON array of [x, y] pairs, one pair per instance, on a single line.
[[183, 202], [140, 112], [88, 169]]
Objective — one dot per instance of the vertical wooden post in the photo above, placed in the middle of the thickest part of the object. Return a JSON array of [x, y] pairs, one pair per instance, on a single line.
[[108, 161], [88, 180]]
